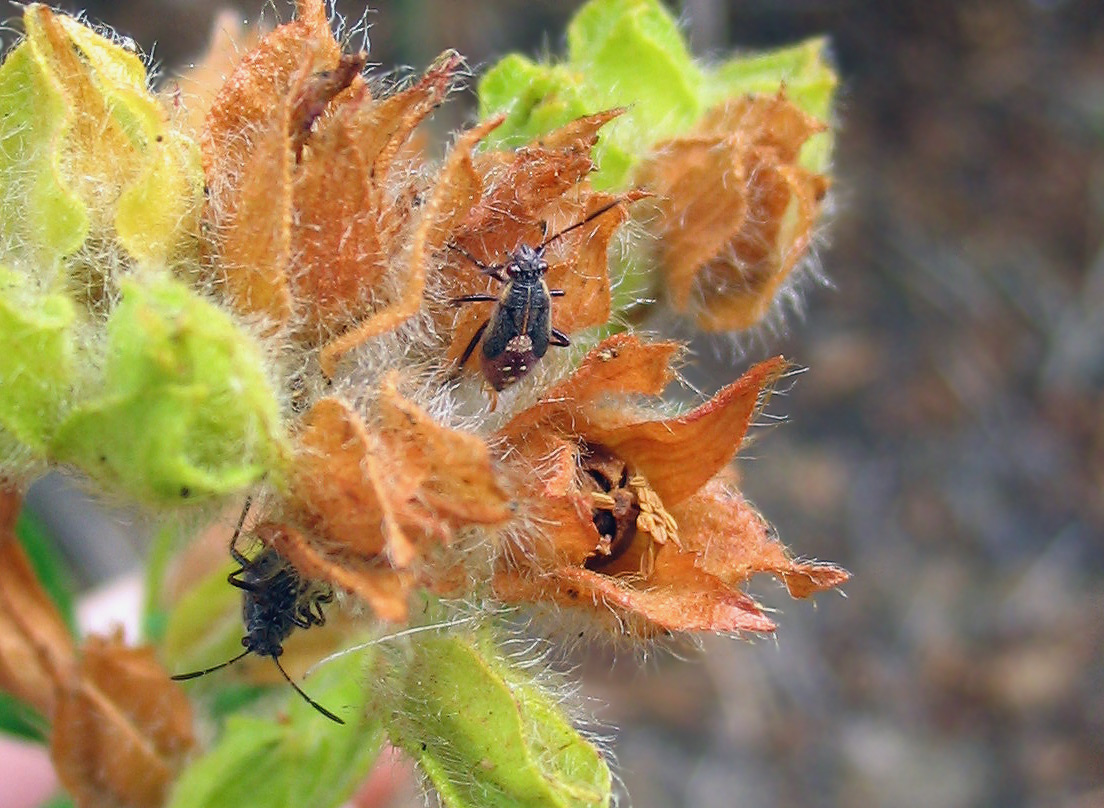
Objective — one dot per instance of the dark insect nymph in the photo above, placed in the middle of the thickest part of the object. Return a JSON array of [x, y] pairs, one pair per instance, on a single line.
[[275, 601], [519, 330]]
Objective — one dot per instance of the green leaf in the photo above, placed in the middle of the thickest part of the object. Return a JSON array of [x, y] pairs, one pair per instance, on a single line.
[[59, 801], [204, 628], [487, 736], [805, 71], [21, 720], [303, 760], [536, 99], [39, 210], [85, 146], [49, 567], [621, 53], [631, 53], [186, 410], [36, 360]]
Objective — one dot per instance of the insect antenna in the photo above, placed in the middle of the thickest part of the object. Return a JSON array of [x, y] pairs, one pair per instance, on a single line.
[[308, 699], [180, 677], [589, 218]]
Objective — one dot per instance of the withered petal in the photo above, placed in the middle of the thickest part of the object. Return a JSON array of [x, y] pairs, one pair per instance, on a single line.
[[456, 480], [738, 288], [311, 96], [35, 646], [764, 120], [230, 40], [254, 229], [526, 192], [736, 208], [703, 204], [337, 486], [349, 226], [248, 102], [247, 156], [679, 455], [733, 542], [619, 365], [379, 585], [583, 271], [696, 602], [458, 186], [521, 184], [121, 728]]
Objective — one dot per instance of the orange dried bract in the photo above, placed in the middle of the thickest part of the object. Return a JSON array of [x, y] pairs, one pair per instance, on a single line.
[[349, 228], [384, 497], [35, 645], [737, 209], [375, 582], [199, 84], [247, 161], [121, 728], [454, 192], [336, 483], [309, 215], [733, 542], [679, 455], [249, 102], [456, 483], [620, 365]]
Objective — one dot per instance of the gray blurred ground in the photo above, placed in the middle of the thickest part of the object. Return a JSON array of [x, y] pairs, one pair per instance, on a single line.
[[946, 445]]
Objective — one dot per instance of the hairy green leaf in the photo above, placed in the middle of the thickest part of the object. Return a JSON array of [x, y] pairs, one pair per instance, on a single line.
[[186, 411], [487, 736]]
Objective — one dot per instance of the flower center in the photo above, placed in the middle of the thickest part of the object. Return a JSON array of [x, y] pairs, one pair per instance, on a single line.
[[628, 514]]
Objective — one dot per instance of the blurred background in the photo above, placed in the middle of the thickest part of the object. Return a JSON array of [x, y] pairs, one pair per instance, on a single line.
[[946, 444]]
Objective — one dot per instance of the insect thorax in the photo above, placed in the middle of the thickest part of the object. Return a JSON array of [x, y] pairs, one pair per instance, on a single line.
[[527, 263]]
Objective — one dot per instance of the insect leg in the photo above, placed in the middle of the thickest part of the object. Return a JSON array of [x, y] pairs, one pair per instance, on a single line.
[[234, 552], [233, 580], [460, 301], [464, 357], [494, 270], [559, 338]]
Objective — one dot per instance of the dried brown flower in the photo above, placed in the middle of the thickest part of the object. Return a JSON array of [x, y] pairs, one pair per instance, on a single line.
[[119, 727], [309, 219], [372, 505], [644, 523], [737, 209]]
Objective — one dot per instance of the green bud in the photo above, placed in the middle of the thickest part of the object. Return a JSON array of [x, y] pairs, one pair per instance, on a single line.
[[487, 736], [186, 410], [36, 362], [86, 148], [631, 53]]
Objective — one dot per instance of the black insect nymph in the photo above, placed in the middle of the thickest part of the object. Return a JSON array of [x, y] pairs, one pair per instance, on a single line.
[[275, 601], [519, 330]]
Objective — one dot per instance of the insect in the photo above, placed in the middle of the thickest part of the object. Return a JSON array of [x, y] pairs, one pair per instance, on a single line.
[[275, 601], [519, 330]]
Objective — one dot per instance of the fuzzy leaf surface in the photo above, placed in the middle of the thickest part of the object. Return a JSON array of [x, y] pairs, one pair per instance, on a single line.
[[487, 736], [301, 759], [186, 410]]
